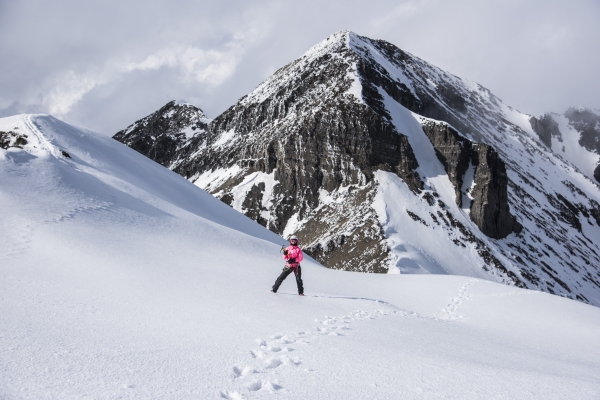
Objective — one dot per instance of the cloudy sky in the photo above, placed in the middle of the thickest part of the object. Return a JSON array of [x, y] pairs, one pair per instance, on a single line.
[[104, 64]]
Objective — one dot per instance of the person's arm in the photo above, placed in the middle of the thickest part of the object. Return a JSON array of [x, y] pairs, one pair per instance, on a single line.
[[285, 254], [299, 256]]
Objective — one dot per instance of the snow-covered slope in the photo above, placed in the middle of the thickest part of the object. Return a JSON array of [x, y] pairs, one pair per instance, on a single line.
[[120, 279], [66, 153], [381, 162], [573, 136]]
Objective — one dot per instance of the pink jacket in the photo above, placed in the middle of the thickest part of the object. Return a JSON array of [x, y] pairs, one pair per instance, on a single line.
[[293, 252]]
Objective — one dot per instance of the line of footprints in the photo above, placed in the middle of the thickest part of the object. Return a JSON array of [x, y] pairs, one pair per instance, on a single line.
[[281, 351]]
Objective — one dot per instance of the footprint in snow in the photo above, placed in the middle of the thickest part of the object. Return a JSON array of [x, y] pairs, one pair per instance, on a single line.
[[273, 363], [231, 395], [257, 354], [264, 385], [239, 372]]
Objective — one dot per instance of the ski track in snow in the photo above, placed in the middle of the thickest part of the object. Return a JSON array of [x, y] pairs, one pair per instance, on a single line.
[[44, 143], [285, 350]]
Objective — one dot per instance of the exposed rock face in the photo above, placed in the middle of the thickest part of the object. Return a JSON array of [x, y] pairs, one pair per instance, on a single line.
[[12, 139], [489, 207], [160, 135], [380, 162], [454, 152], [587, 123], [545, 127], [444, 98]]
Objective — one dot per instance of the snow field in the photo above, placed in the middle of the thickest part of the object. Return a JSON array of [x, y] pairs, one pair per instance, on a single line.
[[119, 279]]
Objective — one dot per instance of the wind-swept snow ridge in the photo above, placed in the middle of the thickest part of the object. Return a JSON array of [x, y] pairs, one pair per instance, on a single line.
[[75, 152], [120, 279], [354, 122]]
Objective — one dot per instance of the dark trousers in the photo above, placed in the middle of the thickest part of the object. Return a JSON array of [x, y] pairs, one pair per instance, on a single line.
[[286, 271]]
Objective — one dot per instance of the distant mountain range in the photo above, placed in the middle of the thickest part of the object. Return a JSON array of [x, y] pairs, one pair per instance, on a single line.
[[381, 162]]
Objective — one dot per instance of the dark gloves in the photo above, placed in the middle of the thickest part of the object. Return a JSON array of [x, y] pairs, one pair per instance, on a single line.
[[291, 260], [285, 252]]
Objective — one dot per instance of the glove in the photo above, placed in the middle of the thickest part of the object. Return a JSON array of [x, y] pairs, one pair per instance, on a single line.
[[292, 261], [285, 252]]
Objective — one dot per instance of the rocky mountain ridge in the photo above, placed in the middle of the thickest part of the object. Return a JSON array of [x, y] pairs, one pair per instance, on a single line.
[[162, 134], [574, 135], [381, 162]]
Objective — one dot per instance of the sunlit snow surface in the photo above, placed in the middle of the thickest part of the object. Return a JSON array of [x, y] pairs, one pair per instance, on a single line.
[[120, 279]]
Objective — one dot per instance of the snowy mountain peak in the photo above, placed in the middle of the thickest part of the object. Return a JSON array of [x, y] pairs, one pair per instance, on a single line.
[[165, 131], [335, 39], [381, 162], [334, 47]]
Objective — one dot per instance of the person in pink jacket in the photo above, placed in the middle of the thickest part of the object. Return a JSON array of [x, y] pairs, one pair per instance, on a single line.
[[292, 256]]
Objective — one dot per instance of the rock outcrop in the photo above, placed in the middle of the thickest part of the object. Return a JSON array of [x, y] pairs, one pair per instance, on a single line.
[[12, 139], [579, 140], [587, 123], [489, 207], [454, 152], [545, 127]]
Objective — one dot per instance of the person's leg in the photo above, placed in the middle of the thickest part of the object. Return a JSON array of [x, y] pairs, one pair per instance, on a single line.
[[298, 273], [284, 274]]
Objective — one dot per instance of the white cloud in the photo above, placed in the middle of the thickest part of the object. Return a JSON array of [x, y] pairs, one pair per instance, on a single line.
[[193, 64], [403, 11], [210, 67], [67, 92]]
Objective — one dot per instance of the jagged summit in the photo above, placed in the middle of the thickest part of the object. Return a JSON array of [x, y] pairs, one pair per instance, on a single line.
[[161, 134], [381, 162], [336, 45]]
